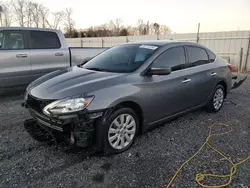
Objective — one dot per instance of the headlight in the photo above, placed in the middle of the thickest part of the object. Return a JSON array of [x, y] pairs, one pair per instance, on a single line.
[[67, 106]]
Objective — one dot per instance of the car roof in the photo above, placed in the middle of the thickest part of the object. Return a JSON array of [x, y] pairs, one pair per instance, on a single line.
[[165, 42]]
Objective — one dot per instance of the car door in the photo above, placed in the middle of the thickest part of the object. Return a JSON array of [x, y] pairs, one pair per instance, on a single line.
[[202, 74], [47, 53], [171, 93], [15, 65]]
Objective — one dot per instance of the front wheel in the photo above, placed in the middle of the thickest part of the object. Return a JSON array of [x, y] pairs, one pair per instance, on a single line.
[[217, 99], [120, 130]]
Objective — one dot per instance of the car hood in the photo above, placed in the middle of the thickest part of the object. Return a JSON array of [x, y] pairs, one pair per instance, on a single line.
[[71, 82]]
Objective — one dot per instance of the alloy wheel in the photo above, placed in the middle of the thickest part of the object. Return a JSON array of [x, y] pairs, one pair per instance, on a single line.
[[218, 98], [122, 131]]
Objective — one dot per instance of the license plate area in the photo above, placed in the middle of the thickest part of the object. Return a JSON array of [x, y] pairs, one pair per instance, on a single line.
[[48, 122]]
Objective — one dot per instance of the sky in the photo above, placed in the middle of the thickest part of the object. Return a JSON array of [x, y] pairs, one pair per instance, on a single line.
[[181, 16]]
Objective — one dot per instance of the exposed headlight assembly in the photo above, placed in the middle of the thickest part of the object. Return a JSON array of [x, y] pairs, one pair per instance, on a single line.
[[68, 105]]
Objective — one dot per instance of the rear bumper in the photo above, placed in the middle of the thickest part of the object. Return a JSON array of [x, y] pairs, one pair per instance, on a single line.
[[237, 84], [78, 130], [234, 77]]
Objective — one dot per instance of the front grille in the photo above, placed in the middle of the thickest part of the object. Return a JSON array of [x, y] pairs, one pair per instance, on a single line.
[[37, 104], [36, 110], [49, 124], [53, 123]]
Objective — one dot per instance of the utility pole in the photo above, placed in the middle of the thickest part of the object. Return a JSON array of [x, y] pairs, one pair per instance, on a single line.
[[240, 63], [198, 34], [1, 10], [1, 19]]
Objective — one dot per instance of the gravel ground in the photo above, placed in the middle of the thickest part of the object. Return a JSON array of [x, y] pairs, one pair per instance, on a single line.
[[151, 162]]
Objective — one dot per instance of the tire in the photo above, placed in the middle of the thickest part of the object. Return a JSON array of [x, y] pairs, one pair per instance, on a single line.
[[117, 137], [216, 101], [36, 132]]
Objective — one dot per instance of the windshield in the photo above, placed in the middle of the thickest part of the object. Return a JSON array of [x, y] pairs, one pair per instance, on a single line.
[[121, 59]]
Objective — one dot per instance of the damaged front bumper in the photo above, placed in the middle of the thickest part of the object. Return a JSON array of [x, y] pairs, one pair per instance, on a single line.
[[237, 84], [76, 129]]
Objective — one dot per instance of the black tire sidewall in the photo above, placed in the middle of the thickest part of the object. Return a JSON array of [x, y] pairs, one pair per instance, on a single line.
[[107, 148]]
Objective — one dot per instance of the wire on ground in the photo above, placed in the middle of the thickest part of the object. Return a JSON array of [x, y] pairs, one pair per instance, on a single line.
[[201, 176]]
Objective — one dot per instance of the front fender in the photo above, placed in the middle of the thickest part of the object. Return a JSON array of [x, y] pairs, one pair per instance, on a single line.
[[110, 97]]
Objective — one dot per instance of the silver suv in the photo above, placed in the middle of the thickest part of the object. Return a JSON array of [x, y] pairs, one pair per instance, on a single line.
[[29, 53]]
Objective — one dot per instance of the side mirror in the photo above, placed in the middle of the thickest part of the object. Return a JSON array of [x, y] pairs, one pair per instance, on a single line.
[[159, 71]]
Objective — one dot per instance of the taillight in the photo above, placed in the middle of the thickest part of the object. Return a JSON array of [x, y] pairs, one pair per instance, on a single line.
[[230, 67]]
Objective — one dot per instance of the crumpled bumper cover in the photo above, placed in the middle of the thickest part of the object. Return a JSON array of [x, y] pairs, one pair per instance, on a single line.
[[238, 84], [78, 130]]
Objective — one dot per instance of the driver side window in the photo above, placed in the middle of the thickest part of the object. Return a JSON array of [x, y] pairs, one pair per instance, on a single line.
[[173, 58], [11, 40]]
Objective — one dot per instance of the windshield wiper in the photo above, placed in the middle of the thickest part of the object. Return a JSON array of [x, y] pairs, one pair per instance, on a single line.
[[97, 69]]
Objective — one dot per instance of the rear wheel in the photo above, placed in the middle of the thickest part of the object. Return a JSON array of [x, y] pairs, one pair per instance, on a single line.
[[217, 99], [120, 130]]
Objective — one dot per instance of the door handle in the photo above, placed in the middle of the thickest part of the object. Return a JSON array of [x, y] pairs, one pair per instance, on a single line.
[[21, 55], [213, 74], [186, 80], [59, 54]]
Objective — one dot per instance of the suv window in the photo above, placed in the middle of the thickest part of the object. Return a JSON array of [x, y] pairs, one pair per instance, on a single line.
[[44, 40], [212, 56], [197, 56], [173, 58], [11, 40]]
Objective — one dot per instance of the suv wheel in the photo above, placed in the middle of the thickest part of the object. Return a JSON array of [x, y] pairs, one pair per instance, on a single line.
[[217, 99], [120, 130]]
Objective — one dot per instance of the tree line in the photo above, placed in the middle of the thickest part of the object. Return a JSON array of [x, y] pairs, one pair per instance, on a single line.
[[116, 28], [28, 13]]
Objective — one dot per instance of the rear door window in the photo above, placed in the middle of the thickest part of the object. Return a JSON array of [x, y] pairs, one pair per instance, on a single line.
[[173, 58], [12, 40], [212, 56], [197, 56], [44, 40]]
